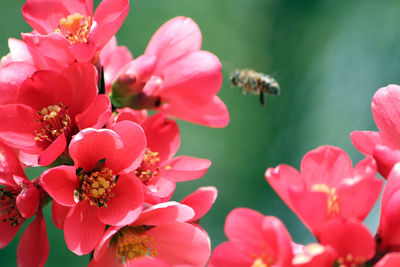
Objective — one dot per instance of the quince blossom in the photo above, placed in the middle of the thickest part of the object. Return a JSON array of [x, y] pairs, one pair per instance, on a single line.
[[100, 189], [50, 108], [174, 76], [66, 31], [328, 187]]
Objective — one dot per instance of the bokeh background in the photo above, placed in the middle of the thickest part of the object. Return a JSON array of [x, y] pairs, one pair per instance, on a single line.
[[329, 58]]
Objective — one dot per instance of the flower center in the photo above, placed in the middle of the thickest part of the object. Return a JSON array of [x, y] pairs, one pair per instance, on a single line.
[[149, 168], [350, 261], [258, 263], [75, 28], [308, 253], [132, 242], [97, 186], [333, 200], [54, 121], [263, 260], [8, 209]]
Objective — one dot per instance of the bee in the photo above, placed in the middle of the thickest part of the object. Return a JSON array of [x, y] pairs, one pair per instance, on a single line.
[[255, 83]]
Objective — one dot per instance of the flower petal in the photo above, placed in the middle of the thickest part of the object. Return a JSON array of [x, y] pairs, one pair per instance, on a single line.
[[33, 247], [389, 260], [108, 258], [365, 141], [53, 151], [28, 199], [82, 228], [367, 190], [245, 226], [96, 115], [385, 108], [17, 126], [60, 183], [109, 16], [166, 212], [201, 201], [173, 39], [192, 80], [226, 254], [213, 114], [11, 77], [385, 158], [326, 165], [126, 205], [44, 16], [185, 168], [7, 230], [162, 135], [282, 178], [53, 46], [349, 237], [130, 156], [181, 244], [58, 214], [90, 145], [9, 165]]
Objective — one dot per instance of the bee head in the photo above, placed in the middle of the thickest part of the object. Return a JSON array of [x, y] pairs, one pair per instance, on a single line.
[[235, 77], [274, 88]]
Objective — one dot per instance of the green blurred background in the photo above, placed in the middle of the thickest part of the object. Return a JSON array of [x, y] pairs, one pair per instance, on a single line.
[[329, 58]]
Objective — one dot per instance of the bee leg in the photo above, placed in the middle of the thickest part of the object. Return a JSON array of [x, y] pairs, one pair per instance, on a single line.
[[254, 85], [262, 98]]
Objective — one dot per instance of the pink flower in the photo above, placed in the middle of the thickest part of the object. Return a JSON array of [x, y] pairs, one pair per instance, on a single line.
[[328, 187], [160, 234], [100, 189], [253, 240], [19, 200], [68, 30], [160, 170], [51, 108], [174, 76], [386, 112]]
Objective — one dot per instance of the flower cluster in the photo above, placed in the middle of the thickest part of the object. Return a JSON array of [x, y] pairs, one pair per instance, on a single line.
[[331, 198], [76, 102]]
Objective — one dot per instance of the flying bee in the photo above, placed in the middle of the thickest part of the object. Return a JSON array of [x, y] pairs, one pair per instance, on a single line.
[[255, 83]]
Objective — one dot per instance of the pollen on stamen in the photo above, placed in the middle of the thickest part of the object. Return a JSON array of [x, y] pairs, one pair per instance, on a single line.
[[75, 28], [350, 261], [53, 121], [263, 260], [132, 242], [149, 168], [97, 187], [8, 206], [333, 199]]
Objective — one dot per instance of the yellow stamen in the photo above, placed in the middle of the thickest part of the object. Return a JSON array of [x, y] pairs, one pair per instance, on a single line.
[[350, 261], [149, 168], [333, 200], [75, 28], [133, 242], [258, 263], [97, 187], [54, 121]]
